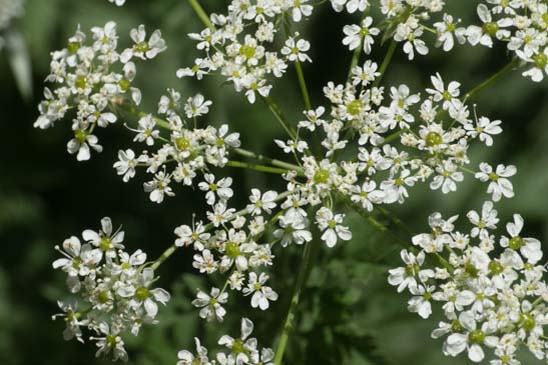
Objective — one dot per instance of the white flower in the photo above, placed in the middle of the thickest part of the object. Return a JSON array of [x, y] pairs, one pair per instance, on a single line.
[[220, 213], [446, 178], [220, 188], [79, 259], [201, 67], [420, 303], [188, 236], [407, 276], [72, 321], [295, 49], [187, 358], [211, 305], [351, 5], [253, 86], [144, 49], [499, 184], [530, 248], [81, 144], [169, 104], [440, 93], [146, 132], [331, 225], [539, 64], [487, 221], [366, 74], [205, 262], [259, 203], [111, 341], [395, 189], [236, 250], [356, 34], [242, 349], [262, 295], [299, 9], [367, 195], [205, 39], [105, 240], [482, 35], [484, 129], [472, 340], [102, 119], [293, 229], [127, 162], [197, 106], [142, 296], [447, 30], [159, 187], [412, 42]]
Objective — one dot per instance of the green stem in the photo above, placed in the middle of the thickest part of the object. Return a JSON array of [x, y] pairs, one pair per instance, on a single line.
[[386, 62], [392, 137], [355, 60], [467, 170], [164, 256], [289, 319], [374, 222], [506, 69], [271, 161], [278, 114], [201, 14], [302, 85], [395, 219], [261, 168]]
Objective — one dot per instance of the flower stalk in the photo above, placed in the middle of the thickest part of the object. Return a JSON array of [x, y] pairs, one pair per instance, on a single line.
[[302, 85], [201, 14], [295, 298], [505, 70], [386, 62]]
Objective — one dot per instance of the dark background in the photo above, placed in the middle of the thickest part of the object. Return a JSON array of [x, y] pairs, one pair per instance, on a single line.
[[349, 314]]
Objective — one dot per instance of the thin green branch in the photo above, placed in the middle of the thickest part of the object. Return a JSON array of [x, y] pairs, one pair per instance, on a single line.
[[302, 85], [255, 167], [201, 14], [163, 257], [506, 69], [271, 161], [386, 62], [278, 114], [355, 60], [290, 318]]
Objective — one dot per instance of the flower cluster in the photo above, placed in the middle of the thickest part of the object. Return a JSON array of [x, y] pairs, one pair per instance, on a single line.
[[9, 10], [232, 248], [187, 149], [89, 78], [521, 24], [491, 290], [243, 351], [434, 132], [367, 147], [112, 289], [241, 45]]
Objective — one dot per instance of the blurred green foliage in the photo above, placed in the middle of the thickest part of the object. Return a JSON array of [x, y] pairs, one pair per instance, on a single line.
[[349, 314]]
